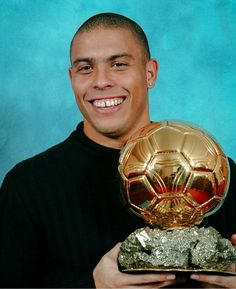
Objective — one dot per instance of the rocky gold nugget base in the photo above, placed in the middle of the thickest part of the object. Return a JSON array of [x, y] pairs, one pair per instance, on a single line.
[[190, 248]]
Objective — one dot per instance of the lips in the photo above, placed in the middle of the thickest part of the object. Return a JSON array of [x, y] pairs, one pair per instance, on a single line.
[[108, 102]]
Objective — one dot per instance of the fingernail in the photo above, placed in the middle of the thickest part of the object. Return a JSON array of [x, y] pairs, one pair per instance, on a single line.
[[170, 277], [194, 276]]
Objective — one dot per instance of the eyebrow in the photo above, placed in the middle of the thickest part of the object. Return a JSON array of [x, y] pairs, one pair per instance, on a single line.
[[112, 57], [126, 55], [85, 59]]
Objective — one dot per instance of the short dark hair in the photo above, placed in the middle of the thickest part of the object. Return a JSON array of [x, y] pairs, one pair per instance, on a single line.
[[114, 20]]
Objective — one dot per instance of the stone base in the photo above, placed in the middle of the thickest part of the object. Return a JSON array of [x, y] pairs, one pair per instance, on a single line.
[[186, 248]]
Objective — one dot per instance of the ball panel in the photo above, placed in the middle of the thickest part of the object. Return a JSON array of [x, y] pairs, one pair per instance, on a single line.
[[201, 186], [162, 139], [141, 194], [168, 172], [199, 151], [221, 175], [137, 157], [214, 203]]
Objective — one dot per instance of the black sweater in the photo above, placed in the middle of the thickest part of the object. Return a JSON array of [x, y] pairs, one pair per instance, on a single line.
[[61, 211]]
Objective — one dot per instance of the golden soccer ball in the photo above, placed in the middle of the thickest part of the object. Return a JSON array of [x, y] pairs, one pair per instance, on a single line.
[[173, 174]]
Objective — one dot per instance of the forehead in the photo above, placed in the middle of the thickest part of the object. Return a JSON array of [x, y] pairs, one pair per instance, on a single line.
[[104, 41]]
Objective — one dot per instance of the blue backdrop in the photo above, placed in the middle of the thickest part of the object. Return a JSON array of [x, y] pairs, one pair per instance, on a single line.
[[193, 40]]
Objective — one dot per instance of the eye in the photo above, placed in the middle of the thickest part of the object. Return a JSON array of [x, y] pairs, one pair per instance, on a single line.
[[85, 68], [82, 68], [119, 65]]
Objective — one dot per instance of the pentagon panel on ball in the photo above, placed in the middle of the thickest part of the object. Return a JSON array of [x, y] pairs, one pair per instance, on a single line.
[[173, 174]]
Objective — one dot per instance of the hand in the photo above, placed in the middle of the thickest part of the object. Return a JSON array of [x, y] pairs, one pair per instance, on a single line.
[[216, 280], [107, 275]]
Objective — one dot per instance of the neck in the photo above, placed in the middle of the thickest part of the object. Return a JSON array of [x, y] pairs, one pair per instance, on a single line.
[[116, 141]]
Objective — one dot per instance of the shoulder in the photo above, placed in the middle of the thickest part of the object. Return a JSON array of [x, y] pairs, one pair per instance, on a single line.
[[44, 163], [232, 164], [232, 184]]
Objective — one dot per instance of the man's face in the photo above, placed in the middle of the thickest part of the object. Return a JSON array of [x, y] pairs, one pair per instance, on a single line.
[[110, 77]]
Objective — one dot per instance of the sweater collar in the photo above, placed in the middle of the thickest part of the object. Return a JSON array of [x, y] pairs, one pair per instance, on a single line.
[[93, 146]]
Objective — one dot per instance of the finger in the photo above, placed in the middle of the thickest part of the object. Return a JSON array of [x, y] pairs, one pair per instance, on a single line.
[[134, 279], [224, 281], [233, 239], [114, 252], [125, 280], [231, 268], [157, 284]]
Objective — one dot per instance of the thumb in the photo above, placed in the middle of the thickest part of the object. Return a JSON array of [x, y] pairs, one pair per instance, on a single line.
[[114, 252], [233, 239]]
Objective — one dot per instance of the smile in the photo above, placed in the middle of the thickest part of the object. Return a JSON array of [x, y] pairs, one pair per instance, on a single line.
[[101, 103]]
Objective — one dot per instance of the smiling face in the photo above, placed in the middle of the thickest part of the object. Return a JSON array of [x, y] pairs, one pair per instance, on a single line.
[[110, 77]]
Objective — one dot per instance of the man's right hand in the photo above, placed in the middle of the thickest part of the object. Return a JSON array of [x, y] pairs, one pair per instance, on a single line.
[[107, 275]]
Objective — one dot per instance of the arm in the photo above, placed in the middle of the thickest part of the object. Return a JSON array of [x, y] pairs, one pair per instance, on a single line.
[[20, 245], [107, 275]]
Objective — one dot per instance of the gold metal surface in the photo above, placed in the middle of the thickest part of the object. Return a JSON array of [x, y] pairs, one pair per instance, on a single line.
[[173, 174]]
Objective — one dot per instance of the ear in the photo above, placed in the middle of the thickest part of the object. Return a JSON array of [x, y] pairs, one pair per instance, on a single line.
[[151, 72], [70, 72]]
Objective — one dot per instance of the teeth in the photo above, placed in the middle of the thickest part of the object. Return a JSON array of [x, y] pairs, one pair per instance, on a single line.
[[108, 102]]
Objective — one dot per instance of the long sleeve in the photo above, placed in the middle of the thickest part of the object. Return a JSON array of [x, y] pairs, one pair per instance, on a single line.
[[224, 220], [20, 242]]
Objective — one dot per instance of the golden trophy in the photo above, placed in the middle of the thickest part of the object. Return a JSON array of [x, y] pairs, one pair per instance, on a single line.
[[173, 175]]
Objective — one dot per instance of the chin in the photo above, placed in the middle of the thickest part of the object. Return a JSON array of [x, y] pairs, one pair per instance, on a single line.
[[112, 131]]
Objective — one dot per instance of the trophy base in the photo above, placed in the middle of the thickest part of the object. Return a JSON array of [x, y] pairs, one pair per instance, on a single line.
[[178, 271], [183, 250]]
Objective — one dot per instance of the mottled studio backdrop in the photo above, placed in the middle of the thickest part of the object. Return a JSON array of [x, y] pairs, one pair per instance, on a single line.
[[193, 40]]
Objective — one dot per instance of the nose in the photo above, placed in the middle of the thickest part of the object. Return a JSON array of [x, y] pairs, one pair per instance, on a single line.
[[102, 79]]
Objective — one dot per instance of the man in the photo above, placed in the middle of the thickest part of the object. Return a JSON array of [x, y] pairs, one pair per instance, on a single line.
[[60, 211]]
